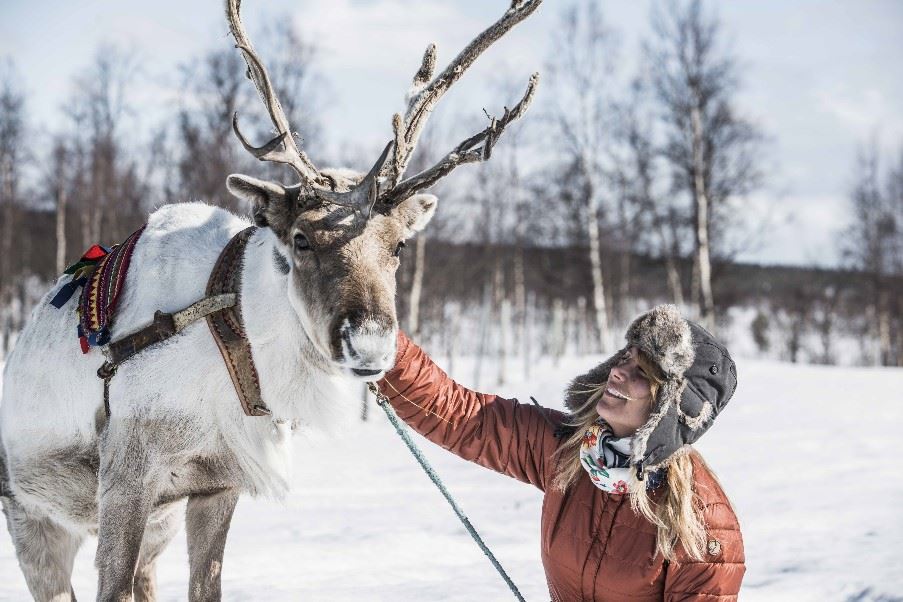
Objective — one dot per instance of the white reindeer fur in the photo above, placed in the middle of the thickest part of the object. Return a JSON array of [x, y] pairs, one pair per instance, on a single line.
[[52, 396]]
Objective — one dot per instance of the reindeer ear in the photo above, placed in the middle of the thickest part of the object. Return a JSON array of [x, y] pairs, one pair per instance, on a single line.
[[416, 211], [269, 205]]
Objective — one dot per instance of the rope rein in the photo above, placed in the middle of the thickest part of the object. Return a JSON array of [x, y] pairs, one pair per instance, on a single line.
[[405, 435], [413, 403]]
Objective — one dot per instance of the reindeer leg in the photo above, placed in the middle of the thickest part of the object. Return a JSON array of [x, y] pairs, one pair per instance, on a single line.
[[45, 551], [127, 489], [161, 527], [207, 522]]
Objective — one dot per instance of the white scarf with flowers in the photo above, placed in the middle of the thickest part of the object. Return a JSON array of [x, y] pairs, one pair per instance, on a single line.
[[605, 458]]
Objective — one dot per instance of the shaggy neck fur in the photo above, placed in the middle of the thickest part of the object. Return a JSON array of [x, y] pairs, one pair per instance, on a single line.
[[295, 379]]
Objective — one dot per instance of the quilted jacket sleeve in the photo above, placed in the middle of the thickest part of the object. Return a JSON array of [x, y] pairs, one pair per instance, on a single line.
[[718, 576], [500, 434]]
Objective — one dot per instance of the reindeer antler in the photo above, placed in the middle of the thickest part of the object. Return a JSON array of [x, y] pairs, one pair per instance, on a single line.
[[282, 148], [383, 185], [425, 96], [476, 148]]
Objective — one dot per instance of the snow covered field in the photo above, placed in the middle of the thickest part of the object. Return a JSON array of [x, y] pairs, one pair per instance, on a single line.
[[807, 453]]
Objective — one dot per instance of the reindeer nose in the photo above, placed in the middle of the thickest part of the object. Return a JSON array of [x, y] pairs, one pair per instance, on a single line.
[[361, 372], [364, 344]]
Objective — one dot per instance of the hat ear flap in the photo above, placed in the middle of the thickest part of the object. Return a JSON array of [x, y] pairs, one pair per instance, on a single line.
[[658, 438], [578, 392]]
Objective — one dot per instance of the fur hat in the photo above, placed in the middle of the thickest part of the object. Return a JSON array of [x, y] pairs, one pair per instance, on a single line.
[[700, 378]]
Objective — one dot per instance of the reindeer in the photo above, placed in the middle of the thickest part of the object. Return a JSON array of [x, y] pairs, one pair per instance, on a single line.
[[317, 300]]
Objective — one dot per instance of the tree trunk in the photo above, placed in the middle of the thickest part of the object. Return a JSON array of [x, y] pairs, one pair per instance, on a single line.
[[899, 342], [504, 341], [61, 230], [6, 242], [484, 335], [95, 209], [85, 213], [669, 253], [529, 313], [520, 299], [706, 302], [884, 338], [624, 293], [416, 287], [582, 343], [694, 286], [826, 331], [623, 309], [450, 310], [556, 342], [674, 285], [595, 260], [503, 307]]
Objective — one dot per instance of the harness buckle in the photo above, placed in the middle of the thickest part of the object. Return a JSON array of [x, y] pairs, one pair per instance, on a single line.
[[381, 399], [107, 370]]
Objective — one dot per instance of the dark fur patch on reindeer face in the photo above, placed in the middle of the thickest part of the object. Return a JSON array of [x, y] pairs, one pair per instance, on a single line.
[[281, 263]]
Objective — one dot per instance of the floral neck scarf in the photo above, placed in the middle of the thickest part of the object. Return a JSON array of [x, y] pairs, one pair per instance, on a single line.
[[606, 458]]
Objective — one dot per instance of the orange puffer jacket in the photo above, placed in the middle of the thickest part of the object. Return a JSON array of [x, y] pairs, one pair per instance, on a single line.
[[594, 547]]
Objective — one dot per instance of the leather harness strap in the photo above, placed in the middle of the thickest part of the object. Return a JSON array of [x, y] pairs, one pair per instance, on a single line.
[[228, 329], [165, 326], [222, 309]]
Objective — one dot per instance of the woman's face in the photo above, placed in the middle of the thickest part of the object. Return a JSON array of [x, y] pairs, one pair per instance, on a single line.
[[626, 400]]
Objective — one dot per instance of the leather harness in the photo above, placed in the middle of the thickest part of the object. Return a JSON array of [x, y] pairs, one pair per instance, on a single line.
[[222, 308]]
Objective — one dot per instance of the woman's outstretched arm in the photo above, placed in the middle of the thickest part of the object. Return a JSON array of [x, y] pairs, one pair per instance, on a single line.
[[501, 434]]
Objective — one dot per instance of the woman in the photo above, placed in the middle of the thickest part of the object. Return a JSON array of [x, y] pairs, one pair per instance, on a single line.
[[631, 511]]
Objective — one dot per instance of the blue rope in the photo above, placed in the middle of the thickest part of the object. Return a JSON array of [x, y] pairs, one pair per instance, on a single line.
[[383, 402]]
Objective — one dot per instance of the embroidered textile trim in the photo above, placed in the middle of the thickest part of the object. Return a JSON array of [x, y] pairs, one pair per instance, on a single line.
[[101, 271], [98, 300]]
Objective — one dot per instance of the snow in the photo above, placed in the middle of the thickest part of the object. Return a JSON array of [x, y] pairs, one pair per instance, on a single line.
[[805, 452]]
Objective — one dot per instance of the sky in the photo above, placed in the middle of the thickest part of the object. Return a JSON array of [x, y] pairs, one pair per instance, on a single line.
[[822, 78]]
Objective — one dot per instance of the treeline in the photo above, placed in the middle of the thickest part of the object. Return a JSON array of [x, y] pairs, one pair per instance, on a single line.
[[620, 189]]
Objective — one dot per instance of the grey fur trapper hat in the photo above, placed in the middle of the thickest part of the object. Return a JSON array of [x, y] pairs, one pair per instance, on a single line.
[[700, 378]]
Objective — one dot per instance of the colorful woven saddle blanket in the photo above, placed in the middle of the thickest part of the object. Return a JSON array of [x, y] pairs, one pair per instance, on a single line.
[[101, 272]]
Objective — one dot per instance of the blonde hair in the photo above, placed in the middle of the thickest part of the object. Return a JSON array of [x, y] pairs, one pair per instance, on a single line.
[[677, 514]]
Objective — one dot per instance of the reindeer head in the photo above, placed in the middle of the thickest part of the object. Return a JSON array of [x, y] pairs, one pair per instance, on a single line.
[[340, 233]]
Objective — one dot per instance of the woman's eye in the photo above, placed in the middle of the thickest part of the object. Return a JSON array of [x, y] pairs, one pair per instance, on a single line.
[[301, 242], [398, 249]]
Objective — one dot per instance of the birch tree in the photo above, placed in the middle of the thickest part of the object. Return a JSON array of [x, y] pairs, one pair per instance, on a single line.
[[640, 175], [711, 149], [57, 181], [215, 88], [582, 70], [12, 157], [874, 245], [108, 196]]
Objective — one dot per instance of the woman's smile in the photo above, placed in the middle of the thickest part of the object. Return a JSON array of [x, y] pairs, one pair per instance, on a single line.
[[612, 392], [626, 398]]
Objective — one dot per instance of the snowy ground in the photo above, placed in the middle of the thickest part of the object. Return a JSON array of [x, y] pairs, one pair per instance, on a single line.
[[807, 453]]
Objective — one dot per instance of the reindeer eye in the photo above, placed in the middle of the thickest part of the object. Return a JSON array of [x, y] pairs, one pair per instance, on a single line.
[[301, 242], [398, 249]]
